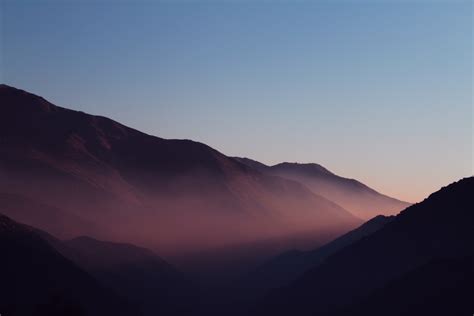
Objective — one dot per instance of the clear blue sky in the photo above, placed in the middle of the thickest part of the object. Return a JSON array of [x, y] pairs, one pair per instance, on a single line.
[[380, 91]]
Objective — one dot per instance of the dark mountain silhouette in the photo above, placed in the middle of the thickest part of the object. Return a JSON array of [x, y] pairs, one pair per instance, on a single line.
[[130, 185], [351, 194], [135, 273], [37, 280], [440, 287], [290, 265], [439, 229]]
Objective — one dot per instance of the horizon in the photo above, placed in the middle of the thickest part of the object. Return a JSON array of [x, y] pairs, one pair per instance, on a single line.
[[272, 89]]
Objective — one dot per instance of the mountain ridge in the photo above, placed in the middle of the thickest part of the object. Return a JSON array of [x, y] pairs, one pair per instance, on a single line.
[[93, 169], [353, 195], [288, 266], [36, 279]]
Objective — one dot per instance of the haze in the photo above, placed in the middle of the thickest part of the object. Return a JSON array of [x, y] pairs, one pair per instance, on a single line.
[[381, 92]]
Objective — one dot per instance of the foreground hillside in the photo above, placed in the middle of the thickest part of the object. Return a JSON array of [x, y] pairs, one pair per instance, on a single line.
[[290, 265], [424, 248], [42, 275], [37, 280]]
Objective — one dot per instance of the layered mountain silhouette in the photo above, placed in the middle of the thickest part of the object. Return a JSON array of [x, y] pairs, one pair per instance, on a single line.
[[37, 280], [420, 261], [351, 194], [440, 287], [103, 179], [290, 265], [42, 275], [111, 193], [133, 272]]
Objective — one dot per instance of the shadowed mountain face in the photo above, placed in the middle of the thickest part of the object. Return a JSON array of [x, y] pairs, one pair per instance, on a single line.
[[422, 247], [440, 287], [37, 280], [290, 265], [133, 272], [351, 194], [173, 195]]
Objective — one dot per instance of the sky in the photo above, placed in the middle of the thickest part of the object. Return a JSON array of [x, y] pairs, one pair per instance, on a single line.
[[380, 91]]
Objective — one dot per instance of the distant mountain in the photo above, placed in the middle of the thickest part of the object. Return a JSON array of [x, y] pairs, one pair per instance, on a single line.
[[290, 265], [351, 194], [401, 254], [37, 280], [173, 195]]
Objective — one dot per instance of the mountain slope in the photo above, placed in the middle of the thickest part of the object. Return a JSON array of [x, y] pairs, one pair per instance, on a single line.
[[35, 213], [133, 272], [288, 266], [131, 185], [351, 194], [439, 228], [440, 287], [37, 280]]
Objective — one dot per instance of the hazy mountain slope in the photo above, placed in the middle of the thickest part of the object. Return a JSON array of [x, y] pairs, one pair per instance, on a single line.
[[351, 194], [441, 227], [132, 185], [37, 280], [39, 214], [288, 266]]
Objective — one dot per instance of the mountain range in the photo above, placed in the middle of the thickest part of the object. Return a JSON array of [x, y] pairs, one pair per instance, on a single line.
[[74, 174], [97, 218], [420, 261]]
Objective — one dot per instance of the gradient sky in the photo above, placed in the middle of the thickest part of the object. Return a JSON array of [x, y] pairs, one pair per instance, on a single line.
[[380, 91]]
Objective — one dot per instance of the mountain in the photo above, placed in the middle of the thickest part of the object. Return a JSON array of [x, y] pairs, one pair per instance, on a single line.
[[402, 253], [351, 194], [37, 280], [136, 273], [175, 196], [440, 287], [288, 266]]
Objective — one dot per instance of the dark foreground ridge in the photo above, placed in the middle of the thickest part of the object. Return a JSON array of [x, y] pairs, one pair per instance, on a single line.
[[37, 280], [428, 247]]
